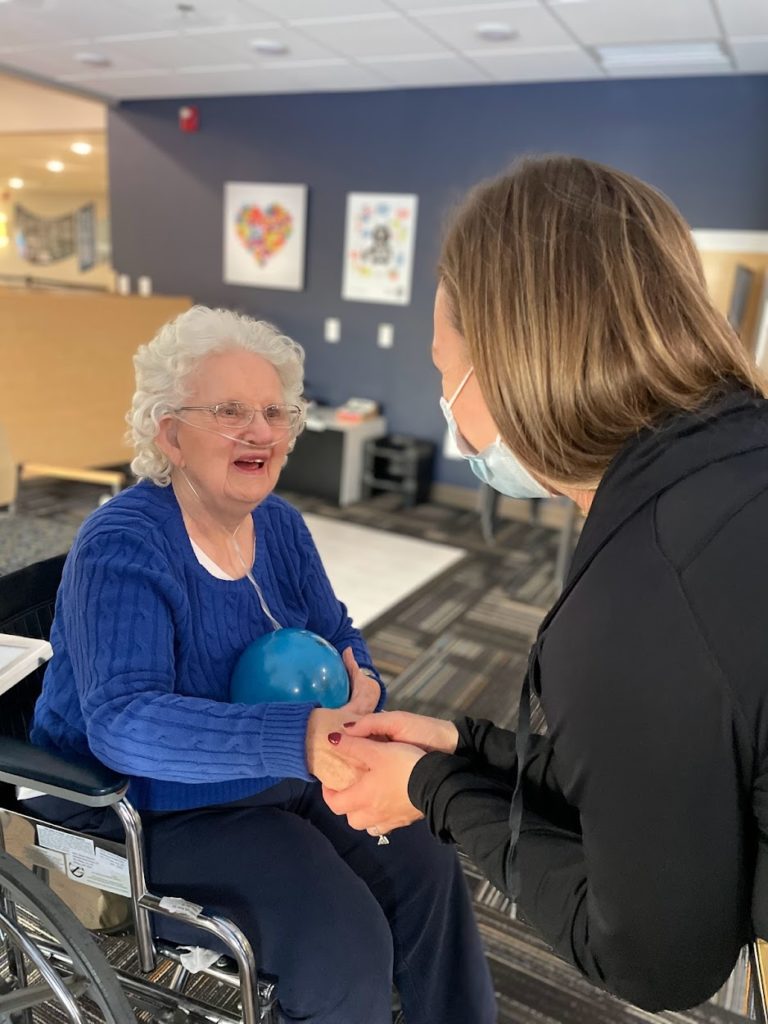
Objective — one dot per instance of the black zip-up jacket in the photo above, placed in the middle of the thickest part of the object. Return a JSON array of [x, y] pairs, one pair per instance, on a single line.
[[645, 805]]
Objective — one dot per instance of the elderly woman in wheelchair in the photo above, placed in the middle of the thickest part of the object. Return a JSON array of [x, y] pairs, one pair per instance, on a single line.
[[163, 589]]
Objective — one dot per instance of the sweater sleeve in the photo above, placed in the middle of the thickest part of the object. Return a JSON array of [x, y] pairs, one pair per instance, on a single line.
[[119, 610], [328, 616]]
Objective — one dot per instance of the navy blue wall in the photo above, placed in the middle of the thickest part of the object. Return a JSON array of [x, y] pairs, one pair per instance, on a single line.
[[703, 141]]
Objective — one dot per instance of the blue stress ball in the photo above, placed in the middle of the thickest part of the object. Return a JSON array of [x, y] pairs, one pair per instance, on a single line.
[[290, 665]]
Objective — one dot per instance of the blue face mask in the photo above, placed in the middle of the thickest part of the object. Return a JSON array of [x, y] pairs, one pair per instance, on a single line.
[[495, 465]]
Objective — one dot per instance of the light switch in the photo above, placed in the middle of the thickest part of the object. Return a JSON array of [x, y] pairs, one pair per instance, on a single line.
[[332, 329], [386, 336]]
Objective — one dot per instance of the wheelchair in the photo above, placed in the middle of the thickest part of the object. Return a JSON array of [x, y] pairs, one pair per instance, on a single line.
[[47, 957]]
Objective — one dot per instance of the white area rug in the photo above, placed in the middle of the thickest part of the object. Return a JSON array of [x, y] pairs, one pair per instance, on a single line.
[[372, 570]]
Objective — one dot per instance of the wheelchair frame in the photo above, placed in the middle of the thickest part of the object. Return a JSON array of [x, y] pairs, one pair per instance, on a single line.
[[257, 993]]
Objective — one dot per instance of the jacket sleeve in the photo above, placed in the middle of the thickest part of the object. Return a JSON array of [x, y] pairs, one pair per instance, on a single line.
[[328, 616], [118, 620], [468, 801], [491, 748], [491, 752]]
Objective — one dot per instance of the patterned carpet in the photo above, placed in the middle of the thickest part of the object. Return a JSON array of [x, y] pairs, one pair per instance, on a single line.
[[458, 645]]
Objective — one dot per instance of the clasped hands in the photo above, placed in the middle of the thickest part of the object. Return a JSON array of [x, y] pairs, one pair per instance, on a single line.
[[362, 777]]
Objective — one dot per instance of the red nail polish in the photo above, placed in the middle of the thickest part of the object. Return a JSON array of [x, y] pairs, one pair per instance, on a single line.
[[348, 725], [334, 738]]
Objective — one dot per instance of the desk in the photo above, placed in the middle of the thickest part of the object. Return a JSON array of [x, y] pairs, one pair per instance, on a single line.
[[327, 461]]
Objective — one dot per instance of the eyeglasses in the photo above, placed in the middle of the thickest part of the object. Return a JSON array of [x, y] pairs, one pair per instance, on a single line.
[[237, 414]]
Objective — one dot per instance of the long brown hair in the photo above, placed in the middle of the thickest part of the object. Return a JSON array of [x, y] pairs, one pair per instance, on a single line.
[[581, 297]]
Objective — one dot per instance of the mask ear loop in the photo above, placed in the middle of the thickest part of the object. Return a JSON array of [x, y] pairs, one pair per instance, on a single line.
[[460, 388], [249, 575]]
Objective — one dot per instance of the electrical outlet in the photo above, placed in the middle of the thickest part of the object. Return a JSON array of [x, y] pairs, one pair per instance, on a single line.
[[332, 329], [386, 336]]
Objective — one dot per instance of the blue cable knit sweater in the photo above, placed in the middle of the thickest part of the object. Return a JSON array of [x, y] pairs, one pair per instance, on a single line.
[[145, 640]]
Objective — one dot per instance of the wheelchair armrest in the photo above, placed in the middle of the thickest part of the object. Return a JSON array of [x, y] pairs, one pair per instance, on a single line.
[[75, 777]]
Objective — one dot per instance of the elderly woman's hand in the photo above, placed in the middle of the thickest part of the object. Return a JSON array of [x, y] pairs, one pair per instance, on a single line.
[[365, 692], [378, 801], [330, 767], [326, 764]]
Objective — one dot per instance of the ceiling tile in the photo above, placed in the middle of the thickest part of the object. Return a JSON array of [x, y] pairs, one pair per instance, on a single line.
[[59, 62], [237, 44], [20, 27], [372, 36], [59, 20], [671, 71], [153, 85], [162, 14], [49, 62], [328, 75], [744, 17], [751, 54], [598, 22], [557, 63], [484, 10], [108, 76], [534, 26], [289, 10], [167, 50], [428, 69], [301, 76]]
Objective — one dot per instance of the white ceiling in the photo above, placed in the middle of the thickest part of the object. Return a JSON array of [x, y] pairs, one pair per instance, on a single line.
[[157, 49]]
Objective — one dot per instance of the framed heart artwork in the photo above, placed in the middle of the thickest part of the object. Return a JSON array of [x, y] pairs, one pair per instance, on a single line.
[[265, 234]]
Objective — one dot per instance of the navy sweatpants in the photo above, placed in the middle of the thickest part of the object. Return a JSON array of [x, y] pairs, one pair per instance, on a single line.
[[333, 915]]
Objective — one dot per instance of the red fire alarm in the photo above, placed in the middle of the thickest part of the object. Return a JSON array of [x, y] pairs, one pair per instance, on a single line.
[[189, 119]]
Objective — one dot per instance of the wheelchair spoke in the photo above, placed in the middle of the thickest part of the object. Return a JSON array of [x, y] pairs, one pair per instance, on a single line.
[[52, 980], [48, 959], [31, 915], [38, 995]]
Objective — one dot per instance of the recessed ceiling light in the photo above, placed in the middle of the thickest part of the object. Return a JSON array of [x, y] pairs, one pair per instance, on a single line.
[[272, 47], [495, 31], [94, 59], [81, 148], [16, 183], [56, 166], [660, 54]]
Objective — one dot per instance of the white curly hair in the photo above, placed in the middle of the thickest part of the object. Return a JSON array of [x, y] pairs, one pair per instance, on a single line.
[[164, 365]]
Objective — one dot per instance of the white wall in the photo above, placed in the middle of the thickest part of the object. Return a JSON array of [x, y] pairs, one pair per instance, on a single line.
[[28, 107]]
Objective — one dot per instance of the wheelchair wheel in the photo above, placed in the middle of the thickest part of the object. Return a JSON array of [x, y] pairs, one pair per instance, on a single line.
[[48, 959]]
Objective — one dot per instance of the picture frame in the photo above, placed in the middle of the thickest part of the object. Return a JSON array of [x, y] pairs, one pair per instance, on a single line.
[[379, 242], [264, 227]]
